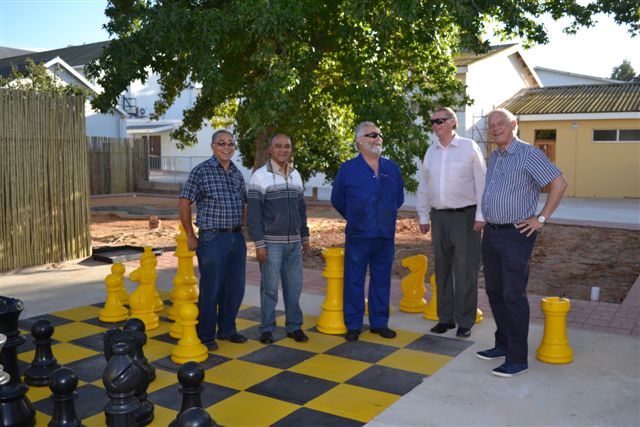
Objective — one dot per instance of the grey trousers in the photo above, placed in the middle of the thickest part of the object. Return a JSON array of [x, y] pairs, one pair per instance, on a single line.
[[457, 261]]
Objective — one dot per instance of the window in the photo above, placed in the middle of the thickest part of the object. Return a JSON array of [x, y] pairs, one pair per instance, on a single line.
[[545, 134], [616, 135]]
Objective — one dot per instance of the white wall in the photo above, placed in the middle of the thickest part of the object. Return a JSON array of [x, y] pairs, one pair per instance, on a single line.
[[111, 125], [146, 94], [561, 78]]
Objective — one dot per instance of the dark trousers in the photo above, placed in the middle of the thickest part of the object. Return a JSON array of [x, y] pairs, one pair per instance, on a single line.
[[221, 261], [457, 261], [376, 254], [505, 256]]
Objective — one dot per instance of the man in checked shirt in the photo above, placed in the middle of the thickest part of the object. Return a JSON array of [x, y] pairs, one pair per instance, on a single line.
[[516, 173], [218, 189]]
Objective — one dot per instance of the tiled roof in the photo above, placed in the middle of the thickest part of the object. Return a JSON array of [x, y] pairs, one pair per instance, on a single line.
[[602, 98], [466, 58], [72, 55]]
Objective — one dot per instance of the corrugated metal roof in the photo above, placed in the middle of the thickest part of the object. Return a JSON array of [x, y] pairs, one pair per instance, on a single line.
[[602, 98], [72, 55]]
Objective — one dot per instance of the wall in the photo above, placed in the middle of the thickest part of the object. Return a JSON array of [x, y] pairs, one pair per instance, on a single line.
[[557, 78], [592, 169]]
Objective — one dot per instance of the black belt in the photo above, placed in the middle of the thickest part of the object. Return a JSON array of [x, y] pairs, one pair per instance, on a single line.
[[466, 208], [237, 229], [502, 226]]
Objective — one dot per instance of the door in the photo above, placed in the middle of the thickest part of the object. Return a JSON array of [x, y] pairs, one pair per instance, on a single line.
[[546, 141]]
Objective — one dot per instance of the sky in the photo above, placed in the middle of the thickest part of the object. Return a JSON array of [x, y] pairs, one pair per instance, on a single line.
[[53, 24]]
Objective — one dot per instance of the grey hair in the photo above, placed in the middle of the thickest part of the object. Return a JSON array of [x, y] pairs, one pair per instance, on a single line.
[[508, 114], [280, 134], [218, 132], [363, 125]]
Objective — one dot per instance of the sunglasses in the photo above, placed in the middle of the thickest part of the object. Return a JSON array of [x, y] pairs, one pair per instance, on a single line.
[[222, 143], [373, 135], [438, 121]]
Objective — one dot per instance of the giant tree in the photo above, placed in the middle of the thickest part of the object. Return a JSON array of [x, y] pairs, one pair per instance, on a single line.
[[314, 68]]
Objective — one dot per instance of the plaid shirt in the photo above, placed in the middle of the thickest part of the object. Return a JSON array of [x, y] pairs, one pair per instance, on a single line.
[[219, 195]]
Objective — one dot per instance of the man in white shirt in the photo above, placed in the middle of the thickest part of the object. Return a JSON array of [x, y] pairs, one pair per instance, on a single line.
[[451, 182]]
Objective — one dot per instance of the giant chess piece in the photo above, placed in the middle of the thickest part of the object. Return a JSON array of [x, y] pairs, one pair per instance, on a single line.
[[43, 365], [137, 328], [189, 348], [144, 415], [413, 289], [149, 258], [4, 377], [185, 281], [190, 377], [195, 417], [113, 310], [16, 409], [143, 299], [63, 383], [120, 378]]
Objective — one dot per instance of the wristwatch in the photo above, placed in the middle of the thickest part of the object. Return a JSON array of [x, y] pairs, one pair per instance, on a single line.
[[541, 219]]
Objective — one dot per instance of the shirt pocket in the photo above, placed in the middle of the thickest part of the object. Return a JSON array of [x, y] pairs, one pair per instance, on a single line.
[[459, 172]]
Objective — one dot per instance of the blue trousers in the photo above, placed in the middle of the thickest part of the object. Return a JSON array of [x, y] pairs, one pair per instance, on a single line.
[[376, 254], [284, 262], [221, 261], [505, 255]]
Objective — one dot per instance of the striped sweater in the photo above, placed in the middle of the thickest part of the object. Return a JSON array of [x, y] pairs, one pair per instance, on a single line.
[[276, 210]]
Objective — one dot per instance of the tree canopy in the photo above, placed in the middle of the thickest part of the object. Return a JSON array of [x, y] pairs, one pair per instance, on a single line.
[[313, 69], [624, 72]]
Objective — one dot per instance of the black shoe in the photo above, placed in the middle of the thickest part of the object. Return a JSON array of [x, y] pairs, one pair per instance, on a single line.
[[266, 338], [463, 332], [441, 328], [211, 345], [384, 332], [235, 338], [352, 335], [492, 353], [298, 335]]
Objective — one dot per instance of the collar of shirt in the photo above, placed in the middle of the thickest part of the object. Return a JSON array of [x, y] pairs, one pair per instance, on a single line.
[[279, 170], [454, 142], [511, 148]]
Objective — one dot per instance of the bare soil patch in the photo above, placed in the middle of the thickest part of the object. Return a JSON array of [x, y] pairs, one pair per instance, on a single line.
[[567, 260]]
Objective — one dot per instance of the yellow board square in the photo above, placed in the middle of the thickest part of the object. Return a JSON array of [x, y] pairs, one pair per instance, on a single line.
[[42, 419], [415, 361], [318, 342], [329, 367], [161, 416], [353, 402], [64, 353], [155, 350], [402, 338], [35, 394], [79, 314], [233, 351], [163, 379], [239, 374], [307, 321], [248, 409], [75, 330], [245, 323]]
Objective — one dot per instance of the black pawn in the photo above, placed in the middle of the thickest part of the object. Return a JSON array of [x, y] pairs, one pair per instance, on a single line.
[[63, 383], [120, 379], [16, 409], [190, 377], [195, 417], [37, 373], [135, 324]]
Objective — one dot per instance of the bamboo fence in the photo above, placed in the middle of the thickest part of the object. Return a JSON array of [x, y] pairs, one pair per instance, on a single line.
[[116, 165], [44, 180]]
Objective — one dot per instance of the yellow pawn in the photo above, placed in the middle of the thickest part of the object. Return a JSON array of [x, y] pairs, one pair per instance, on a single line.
[[113, 310], [149, 258], [331, 320], [431, 310], [182, 297], [479, 315], [554, 347], [189, 348], [142, 300], [413, 289], [123, 294], [184, 282]]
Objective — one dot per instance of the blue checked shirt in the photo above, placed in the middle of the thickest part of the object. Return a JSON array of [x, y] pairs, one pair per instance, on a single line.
[[514, 180], [219, 195]]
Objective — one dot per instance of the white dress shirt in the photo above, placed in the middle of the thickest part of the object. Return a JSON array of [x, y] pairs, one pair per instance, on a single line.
[[451, 176]]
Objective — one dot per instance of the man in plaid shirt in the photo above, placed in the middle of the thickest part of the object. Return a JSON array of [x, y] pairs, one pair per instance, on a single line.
[[218, 189]]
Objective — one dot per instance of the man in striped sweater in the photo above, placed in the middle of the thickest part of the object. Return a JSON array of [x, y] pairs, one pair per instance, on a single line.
[[516, 173], [277, 222]]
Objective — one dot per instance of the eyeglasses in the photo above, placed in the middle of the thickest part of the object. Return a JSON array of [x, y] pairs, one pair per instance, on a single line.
[[439, 121], [373, 135], [222, 143]]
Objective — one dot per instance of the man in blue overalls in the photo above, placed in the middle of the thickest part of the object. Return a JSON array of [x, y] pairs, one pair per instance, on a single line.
[[367, 192]]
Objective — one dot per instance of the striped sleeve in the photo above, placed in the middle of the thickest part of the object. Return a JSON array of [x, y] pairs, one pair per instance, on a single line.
[[254, 210], [541, 168]]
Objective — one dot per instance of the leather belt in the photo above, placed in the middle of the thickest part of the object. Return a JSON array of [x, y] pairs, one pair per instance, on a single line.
[[237, 229], [466, 208], [501, 226]]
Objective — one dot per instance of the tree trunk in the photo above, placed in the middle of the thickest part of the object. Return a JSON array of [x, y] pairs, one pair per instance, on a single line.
[[262, 152]]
